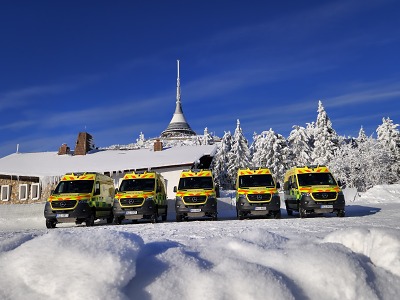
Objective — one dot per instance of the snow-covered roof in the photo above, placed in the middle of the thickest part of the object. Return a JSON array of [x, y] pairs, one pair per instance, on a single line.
[[51, 164]]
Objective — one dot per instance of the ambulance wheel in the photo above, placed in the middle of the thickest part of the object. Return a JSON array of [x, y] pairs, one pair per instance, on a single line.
[[50, 223], [288, 210], [277, 214], [118, 220], [154, 218], [302, 212], [164, 217], [179, 218], [341, 213], [110, 218], [90, 220]]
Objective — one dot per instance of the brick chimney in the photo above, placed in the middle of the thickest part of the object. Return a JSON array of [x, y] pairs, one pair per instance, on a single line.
[[84, 143], [64, 149], [158, 146]]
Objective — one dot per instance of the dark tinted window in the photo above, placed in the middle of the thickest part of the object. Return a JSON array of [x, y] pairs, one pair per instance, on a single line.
[[195, 183], [75, 186], [262, 180], [316, 179], [141, 184]]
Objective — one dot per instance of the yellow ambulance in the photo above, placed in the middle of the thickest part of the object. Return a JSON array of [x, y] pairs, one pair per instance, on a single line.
[[257, 194], [80, 197], [196, 195], [141, 195], [312, 190]]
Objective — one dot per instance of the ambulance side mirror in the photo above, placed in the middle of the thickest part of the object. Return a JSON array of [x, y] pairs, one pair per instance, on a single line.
[[175, 189]]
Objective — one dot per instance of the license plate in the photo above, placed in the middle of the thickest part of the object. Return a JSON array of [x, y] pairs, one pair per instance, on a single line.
[[195, 210], [61, 215], [327, 206], [260, 208], [131, 212]]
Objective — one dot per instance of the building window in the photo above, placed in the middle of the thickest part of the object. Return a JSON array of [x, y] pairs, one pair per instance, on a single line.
[[23, 192], [35, 191], [5, 192]]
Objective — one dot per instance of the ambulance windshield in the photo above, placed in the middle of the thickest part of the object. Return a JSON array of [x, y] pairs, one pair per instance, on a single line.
[[204, 182], [138, 184], [74, 186], [261, 180], [316, 179]]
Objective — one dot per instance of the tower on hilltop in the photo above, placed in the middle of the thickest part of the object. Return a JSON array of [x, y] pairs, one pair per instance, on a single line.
[[178, 126]]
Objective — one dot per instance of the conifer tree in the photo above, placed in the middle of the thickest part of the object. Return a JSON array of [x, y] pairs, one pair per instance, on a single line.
[[239, 156], [389, 137], [362, 137], [326, 139], [271, 152], [220, 161], [299, 147]]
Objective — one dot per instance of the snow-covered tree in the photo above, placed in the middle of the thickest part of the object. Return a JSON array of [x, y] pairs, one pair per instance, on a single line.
[[207, 138], [363, 164], [389, 137], [325, 138], [239, 156], [299, 147], [270, 151], [220, 161], [362, 137]]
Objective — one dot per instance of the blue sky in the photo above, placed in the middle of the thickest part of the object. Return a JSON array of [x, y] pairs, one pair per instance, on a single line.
[[109, 67]]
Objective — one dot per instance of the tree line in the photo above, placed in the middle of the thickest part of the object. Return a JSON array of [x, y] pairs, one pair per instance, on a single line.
[[358, 162]]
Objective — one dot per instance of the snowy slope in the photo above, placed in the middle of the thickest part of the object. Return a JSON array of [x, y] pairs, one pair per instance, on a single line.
[[356, 257]]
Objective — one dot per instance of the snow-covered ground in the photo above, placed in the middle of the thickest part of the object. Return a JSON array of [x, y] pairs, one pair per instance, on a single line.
[[356, 257]]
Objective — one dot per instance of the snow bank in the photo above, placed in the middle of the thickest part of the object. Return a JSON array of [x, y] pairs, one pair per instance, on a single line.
[[83, 264], [381, 246], [258, 264], [382, 194]]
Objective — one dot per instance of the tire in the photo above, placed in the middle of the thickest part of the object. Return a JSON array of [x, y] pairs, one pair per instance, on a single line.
[[341, 213], [277, 214], [179, 218], [117, 220], [288, 210], [302, 212], [154, 218], [90, 220], [164, 218], [50, 223], [110, 218]]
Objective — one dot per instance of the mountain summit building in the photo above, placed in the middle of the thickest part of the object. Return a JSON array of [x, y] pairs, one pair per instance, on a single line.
[[178, 127]]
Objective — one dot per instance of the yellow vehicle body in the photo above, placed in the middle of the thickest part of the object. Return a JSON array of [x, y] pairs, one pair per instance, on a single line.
[[80, 197], [257, 193], [141, 195], [196, 195], [312, 189]]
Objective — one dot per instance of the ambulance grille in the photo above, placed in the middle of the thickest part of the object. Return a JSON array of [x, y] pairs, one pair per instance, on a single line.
[[324, 195], [131, 201], [63, 204], [259, 197], [195, 199]]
